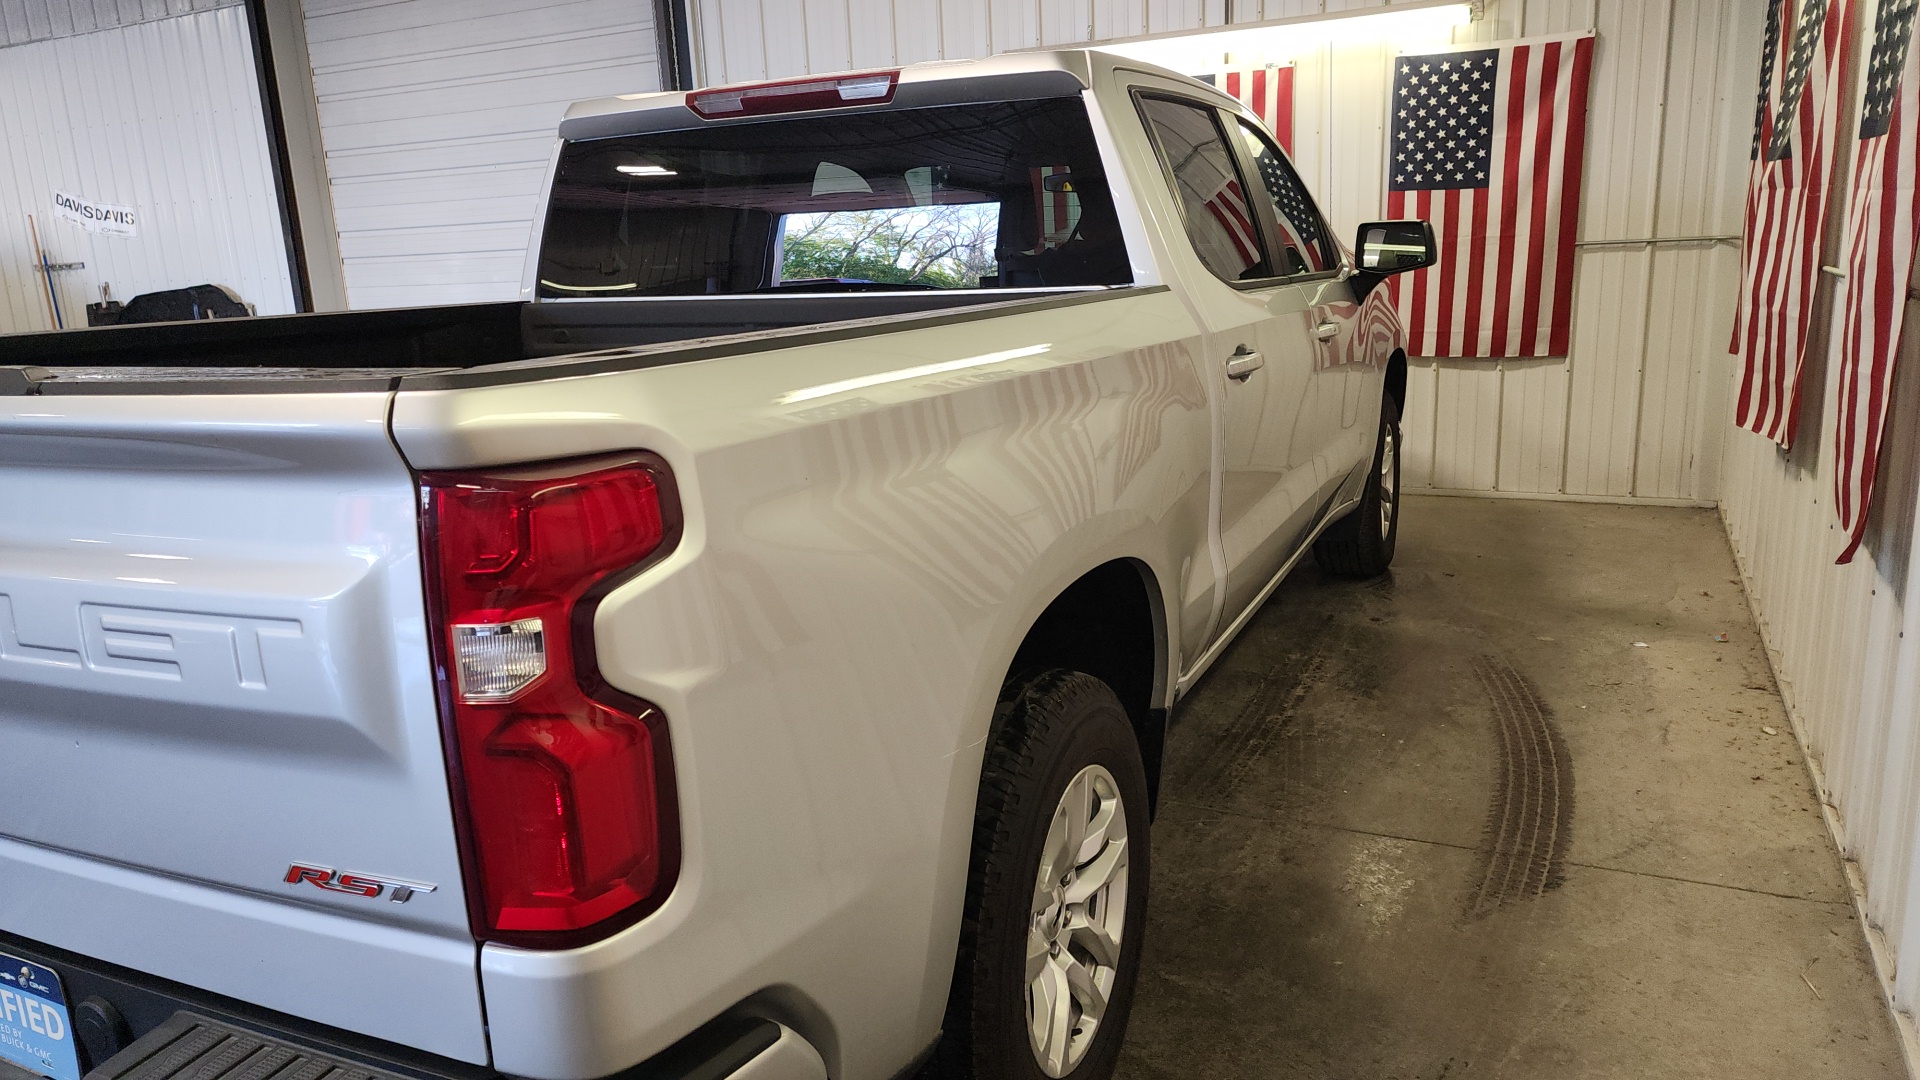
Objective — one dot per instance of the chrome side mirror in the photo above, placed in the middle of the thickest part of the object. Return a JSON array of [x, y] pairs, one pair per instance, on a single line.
[[1394, 247]]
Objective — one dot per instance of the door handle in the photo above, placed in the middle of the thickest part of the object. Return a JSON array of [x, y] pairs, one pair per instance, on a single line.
[[1243, 363], [1327, 331]]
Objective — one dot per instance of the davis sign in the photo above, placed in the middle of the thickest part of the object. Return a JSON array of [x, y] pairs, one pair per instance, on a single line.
[[95, 216]]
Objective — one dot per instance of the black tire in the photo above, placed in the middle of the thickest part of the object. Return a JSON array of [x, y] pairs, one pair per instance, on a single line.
[[1048, 728], [1357, 546]]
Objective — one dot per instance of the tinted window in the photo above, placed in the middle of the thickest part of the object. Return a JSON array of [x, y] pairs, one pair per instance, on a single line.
[[1198, 165], [1302, 242], [960, 197]]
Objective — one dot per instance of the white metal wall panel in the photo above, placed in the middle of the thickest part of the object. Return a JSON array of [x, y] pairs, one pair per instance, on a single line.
[[26, 21], [1845, 642], [1634, 416], [1533, 425], [1608, 329], [438, 120], [163, 116], [1418, 427], [1635, 411], [1466, 434], [744, 40]]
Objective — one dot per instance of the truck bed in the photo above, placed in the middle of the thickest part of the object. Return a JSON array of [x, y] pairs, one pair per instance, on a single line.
[[373, 350]]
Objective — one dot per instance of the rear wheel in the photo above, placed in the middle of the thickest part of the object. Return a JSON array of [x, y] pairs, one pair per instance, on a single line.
[[1056, 894], [1360, 545]]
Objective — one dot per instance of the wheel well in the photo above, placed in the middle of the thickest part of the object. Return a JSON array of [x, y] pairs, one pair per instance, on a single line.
[[1397, 380], [1107, 624]]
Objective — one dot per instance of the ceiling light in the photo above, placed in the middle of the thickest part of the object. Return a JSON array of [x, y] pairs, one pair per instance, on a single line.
[[645, 170]]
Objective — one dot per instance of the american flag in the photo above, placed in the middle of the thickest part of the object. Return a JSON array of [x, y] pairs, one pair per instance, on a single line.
[[1791, 157], [1488, 145], [1268, 91], [1883, 227]]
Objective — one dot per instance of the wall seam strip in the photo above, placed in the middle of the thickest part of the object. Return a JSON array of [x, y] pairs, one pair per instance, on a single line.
[[1560, 496], [1653, 222]]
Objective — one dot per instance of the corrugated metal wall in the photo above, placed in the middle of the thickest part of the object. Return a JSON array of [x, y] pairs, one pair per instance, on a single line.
[[25, 21], [161, 115], [1845, 640], [438, 119], [1634, 411], [1838, 637]]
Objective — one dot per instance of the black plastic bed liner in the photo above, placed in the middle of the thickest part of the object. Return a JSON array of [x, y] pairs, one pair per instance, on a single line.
[[474, 344], [455, 335]]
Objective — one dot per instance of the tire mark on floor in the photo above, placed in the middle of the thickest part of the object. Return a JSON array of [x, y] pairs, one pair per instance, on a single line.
[[1268, 725], [1265, 717], [1530, 817]]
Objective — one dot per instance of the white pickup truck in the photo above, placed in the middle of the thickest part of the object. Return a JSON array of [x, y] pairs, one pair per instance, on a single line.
[[748, 655]]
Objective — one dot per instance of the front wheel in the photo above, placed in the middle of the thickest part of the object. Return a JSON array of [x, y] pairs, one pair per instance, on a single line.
[[1360, 545], [1057, 891]]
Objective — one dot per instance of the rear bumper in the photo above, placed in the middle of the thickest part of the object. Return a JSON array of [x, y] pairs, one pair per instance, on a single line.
[[157, 1030]]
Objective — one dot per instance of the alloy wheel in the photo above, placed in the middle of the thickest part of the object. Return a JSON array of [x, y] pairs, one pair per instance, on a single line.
[[1389, 478], [1079, 915]]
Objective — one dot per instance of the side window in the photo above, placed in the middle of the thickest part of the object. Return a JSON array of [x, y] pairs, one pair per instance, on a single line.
[[1221, 224], [1302, 242]]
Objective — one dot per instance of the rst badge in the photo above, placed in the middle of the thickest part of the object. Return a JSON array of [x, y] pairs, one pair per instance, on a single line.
[[367, 885]]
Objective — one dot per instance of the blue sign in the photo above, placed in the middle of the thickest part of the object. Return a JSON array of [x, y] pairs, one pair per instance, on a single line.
[[36, 1032]]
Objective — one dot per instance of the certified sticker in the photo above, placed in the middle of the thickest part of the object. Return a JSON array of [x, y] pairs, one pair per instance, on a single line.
[[36, 1032]]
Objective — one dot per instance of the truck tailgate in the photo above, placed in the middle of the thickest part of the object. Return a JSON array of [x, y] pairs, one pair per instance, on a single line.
[[213, 666]]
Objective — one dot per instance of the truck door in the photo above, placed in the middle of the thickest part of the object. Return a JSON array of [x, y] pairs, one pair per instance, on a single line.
[[1337, 418], [1258, 321]]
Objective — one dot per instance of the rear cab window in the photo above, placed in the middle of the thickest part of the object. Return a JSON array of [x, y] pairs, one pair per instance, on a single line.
[[979, 196]]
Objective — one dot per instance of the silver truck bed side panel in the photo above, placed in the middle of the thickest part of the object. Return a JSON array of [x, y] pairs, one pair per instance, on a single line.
[[871, 525]]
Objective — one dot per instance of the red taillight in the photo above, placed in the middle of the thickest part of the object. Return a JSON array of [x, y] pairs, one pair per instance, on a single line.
[[562, 785], [795, 95]]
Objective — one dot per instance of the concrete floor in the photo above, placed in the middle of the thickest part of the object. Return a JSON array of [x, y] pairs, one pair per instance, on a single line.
[[1456, 823]]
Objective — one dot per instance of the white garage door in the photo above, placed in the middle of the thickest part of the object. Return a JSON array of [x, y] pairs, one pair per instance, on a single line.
[[438, 120]]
